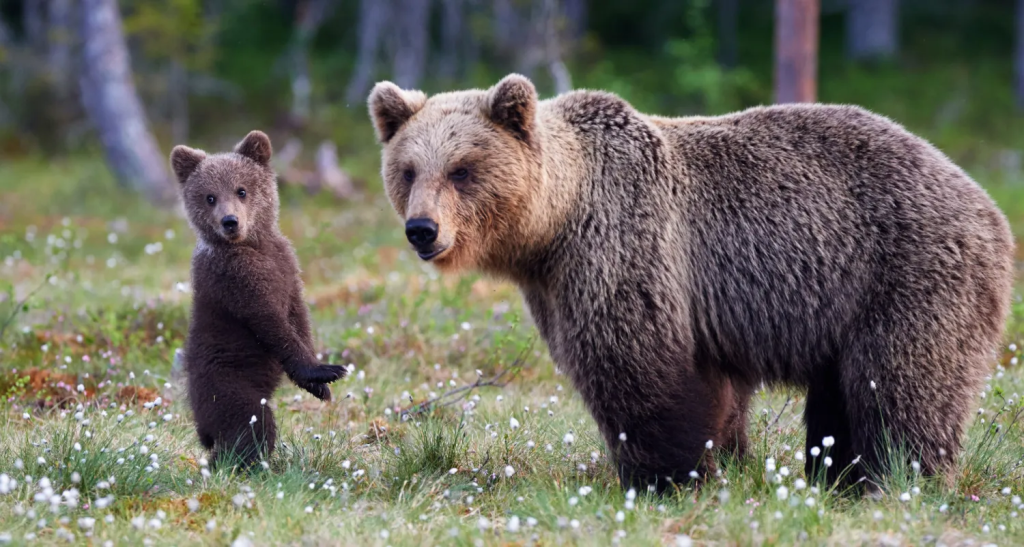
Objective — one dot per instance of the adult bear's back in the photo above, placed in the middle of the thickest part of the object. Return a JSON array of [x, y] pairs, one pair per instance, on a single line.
[[804, 219]]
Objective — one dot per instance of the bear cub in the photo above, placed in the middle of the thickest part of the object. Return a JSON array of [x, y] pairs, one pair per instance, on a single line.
[[249, 323]]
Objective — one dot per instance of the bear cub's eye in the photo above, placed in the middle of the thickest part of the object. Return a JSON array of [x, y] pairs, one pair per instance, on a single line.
[[460, 174], [409, 175], [241, 192], [210, 199]]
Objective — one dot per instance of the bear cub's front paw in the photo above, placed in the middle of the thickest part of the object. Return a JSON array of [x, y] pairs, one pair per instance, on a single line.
[[320, 391]]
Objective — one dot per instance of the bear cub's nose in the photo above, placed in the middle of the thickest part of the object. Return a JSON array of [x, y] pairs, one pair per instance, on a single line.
[[230, 223], [421, 232]]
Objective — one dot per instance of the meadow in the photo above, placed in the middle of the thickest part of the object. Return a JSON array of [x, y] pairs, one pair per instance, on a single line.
[[453, 426]]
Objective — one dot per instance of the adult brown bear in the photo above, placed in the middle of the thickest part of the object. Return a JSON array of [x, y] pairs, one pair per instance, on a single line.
[[673, 264]]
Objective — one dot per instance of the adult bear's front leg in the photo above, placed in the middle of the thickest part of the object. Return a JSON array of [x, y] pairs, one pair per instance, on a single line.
[[659, 442]]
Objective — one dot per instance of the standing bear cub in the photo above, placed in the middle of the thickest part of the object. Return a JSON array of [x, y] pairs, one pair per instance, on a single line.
[[249, 323], [672, 265]]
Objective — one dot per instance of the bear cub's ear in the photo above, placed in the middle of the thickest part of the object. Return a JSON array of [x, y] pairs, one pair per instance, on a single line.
[[184, 161], [513, 104], [256, 146], [391, 107]]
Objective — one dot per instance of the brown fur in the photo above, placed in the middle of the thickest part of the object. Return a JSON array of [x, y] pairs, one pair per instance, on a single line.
[[249, 323], [673, 264]]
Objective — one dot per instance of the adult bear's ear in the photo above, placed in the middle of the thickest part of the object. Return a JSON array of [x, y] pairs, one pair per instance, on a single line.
[[513, 105], [256, 146], [391, 107], [184, 161]]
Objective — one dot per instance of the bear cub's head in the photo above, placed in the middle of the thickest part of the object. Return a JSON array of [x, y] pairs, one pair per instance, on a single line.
[[230, 198], [461, 169]]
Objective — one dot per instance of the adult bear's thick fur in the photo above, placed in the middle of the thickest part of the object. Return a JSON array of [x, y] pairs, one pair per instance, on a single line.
[[674, 264]]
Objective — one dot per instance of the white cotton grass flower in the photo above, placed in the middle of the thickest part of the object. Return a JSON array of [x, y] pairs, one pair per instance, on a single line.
[[622, 436], [509, 471], [513, 423], [710, 444], [252, 420], [815, 451], [873, 385], [568, 439], [769, 464], [828, 441], [828, 461], [799, 484], [584, 490], [513, 524], [782, 493]]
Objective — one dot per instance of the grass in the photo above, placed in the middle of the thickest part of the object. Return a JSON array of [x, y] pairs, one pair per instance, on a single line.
[[98, 445]]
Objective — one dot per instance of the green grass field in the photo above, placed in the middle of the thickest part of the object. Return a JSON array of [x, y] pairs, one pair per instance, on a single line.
[[97, 446]]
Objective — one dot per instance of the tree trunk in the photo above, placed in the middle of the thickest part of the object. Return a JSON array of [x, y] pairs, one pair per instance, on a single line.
[[728, 14], [796, 50], [872, 29], [59, 49], [554, 22], [373, 15], [309, 16], [110, 100], [452, 32], [410, 47], [1019, 56]]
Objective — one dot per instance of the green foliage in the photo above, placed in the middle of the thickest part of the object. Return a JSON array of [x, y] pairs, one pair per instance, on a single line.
[[172, 30], [699, 79]]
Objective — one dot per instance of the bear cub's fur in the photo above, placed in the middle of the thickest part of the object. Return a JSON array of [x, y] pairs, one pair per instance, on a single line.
[[672, 265], [249, 323]]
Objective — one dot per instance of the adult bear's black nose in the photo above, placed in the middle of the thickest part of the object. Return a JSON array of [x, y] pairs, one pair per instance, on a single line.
[[230, 223], [421, 232]]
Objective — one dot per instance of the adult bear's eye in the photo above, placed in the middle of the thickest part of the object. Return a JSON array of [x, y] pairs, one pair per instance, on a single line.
[[460, 174], [409, 175], [210, 199], [241, 192]]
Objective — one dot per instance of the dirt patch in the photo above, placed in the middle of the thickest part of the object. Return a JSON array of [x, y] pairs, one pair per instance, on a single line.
[[46, 388]]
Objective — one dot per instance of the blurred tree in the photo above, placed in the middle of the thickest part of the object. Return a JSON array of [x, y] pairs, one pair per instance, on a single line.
[[796, 50], [113, 106], [373, 15], [1019, 55], [409, 41], [701, 82], [453, 31], [872, 29], [728, 15], [536, 33], [175, 38], [309, 16], [60, 42]]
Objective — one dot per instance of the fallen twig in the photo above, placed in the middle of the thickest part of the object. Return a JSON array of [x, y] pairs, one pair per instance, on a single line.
[[500, 379], [789, 399]]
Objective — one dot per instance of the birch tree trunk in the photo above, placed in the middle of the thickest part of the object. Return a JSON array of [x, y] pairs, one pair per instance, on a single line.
[[113, 106], [373, 15], [796, 50], [410, 48], [872, 29]]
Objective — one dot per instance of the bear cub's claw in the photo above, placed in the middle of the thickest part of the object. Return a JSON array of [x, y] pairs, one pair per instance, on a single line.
[[320, 391]]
